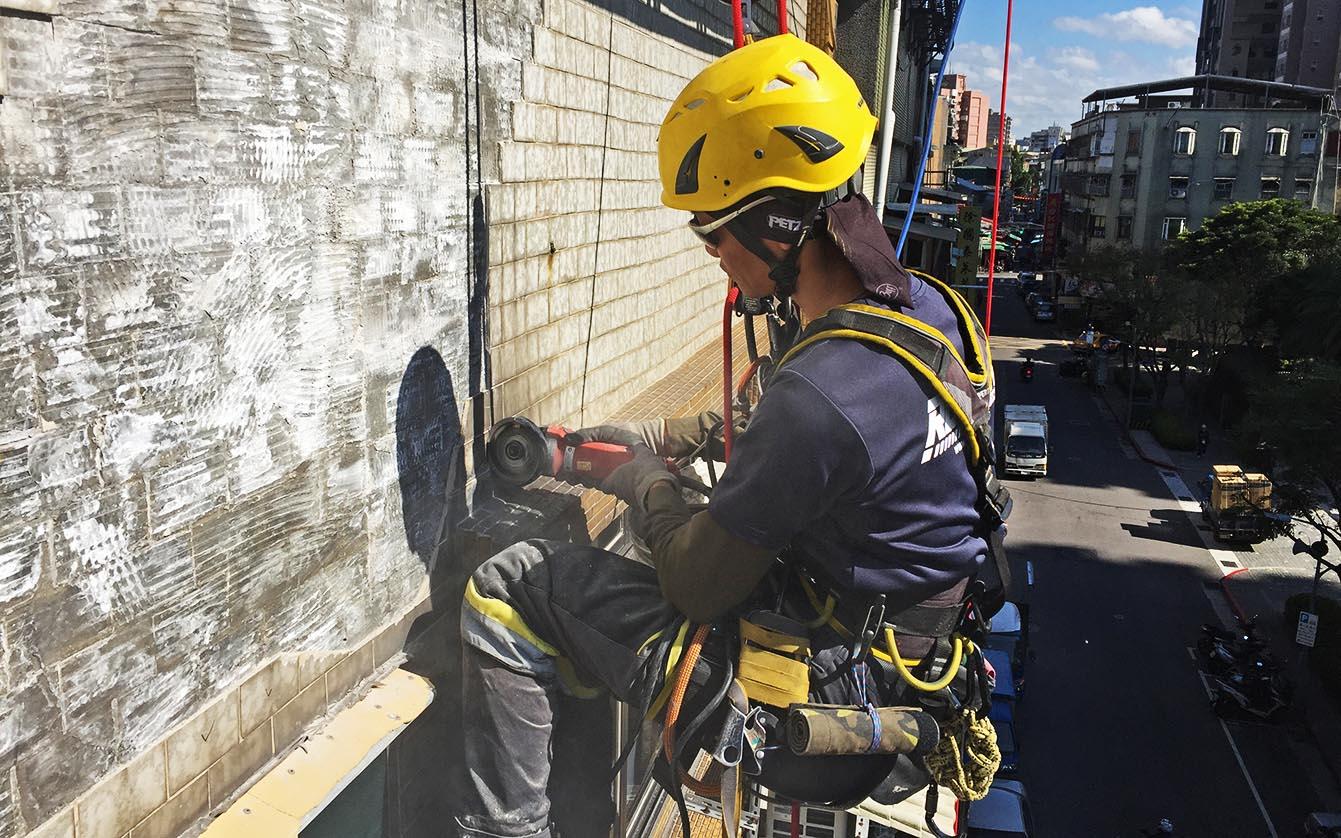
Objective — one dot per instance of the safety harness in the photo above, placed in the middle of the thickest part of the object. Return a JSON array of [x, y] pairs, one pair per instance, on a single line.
[[769, 675]]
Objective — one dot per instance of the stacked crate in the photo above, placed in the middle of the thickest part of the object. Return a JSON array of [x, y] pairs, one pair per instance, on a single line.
[[1231, 488]]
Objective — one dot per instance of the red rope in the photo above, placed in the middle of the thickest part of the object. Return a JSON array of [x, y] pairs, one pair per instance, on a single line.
[[728, 428], [782, 17], [738, 23], [1000, 152]]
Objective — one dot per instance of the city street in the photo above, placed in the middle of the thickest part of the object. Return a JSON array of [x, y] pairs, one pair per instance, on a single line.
[[1115, 726]]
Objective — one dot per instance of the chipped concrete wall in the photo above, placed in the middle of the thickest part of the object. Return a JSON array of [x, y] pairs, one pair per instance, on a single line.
[[245, 294]]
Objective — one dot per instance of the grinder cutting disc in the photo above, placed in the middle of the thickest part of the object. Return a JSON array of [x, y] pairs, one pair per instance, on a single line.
[[519, 451]]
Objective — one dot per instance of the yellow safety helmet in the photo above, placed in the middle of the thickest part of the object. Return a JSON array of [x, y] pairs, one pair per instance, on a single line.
[[777, 113]]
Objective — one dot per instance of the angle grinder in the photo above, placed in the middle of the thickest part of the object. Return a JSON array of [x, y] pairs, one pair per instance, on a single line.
[[519, 451]]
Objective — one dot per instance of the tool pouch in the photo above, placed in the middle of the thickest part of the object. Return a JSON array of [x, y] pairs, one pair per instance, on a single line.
[[774, 659]]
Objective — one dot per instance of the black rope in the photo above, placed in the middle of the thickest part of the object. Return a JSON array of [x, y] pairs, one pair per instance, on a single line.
[[600, 204]]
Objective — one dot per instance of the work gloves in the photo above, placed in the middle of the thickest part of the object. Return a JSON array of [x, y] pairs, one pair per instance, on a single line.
[[631, 481]]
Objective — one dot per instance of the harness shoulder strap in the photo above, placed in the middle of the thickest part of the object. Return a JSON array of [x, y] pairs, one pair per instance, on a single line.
[[926, 352], [977, 361]]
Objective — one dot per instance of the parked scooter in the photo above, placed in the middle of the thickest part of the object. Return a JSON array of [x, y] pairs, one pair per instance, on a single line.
[[1237, 644], [1256, 691]]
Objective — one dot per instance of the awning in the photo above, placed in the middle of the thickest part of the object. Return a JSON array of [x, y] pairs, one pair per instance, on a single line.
[[931, 231]]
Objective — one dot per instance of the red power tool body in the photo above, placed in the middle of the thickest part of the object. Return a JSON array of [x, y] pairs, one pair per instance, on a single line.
[[520, 451]]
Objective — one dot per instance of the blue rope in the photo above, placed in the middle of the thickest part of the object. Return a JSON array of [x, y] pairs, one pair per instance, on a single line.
[[862, 673], [926, 135]]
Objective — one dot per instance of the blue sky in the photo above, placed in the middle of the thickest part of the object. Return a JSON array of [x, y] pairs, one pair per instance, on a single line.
[[1062, 50]]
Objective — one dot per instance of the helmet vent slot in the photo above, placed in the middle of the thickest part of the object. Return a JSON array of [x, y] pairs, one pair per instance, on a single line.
[[740, 97], [777, 83], [805, 71], [689, 106]]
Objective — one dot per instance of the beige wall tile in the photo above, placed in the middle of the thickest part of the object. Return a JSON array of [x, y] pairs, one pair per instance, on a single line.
[[116, 804], [61, 826], [344, 675], [267, 691], [299, 713], [224, 776], [201, 741], [170, 819]]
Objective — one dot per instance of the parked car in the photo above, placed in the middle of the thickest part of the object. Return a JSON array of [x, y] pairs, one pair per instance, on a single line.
[[1002, 717], [1026, 276], [1009, 633], [1003, 813], [1007, 689], [1323, 825], [1044, 312]]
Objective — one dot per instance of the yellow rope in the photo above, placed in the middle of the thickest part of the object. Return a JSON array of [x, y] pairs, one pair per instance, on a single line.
[[956, 657], [971, 775]]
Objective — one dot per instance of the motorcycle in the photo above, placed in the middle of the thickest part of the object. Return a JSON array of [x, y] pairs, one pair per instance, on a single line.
[[1027, 371], [1223, 652], [1257, 692]]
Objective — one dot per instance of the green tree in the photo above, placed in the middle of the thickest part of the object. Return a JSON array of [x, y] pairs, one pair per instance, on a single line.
[[1308, 309], [1297, 413], [1237, 260], [1150, 303]]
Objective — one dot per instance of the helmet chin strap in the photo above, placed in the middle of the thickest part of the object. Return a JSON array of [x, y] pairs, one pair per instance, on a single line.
[[784, 271]]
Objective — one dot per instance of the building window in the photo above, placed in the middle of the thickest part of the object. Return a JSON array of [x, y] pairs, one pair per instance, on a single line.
[[1303, 189], [1177, 187], [1185, 141], [1174, 226], [1224, 188], [1270, 187], [1098, 185], [1129, 186], [1229, 141], [1124, 227], [1133, 143], [1308, 141], [1097, 226], [1278, 140]]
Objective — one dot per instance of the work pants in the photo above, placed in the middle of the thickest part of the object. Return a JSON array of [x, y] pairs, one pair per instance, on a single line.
[[542, 618]]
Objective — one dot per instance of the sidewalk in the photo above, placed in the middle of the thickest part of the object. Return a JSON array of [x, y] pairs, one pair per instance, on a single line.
[[1275, 573]]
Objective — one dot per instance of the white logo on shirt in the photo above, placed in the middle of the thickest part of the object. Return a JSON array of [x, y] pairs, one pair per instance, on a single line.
[[942, 435]]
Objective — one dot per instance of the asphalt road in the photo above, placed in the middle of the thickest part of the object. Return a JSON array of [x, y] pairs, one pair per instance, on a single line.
[[1114, 726]]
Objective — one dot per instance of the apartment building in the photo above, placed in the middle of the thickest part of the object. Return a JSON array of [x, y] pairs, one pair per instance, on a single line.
[[1310, 43], [1239, 38], [1140, 173]]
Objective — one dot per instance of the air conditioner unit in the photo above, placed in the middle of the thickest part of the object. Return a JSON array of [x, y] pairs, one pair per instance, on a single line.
[[1177, 193]]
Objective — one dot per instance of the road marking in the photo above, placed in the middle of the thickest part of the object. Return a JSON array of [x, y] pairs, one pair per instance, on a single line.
[[1029, 572], [1186, 499], [1192, 653], [1243, 767]]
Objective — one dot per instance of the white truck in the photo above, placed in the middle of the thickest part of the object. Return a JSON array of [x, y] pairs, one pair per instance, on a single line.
[[1026, 449]]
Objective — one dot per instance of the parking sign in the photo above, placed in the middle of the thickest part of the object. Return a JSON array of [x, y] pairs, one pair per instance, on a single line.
[[1307, 632]]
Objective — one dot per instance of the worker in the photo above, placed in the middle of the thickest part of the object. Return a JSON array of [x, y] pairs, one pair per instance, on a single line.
[[849, 463]]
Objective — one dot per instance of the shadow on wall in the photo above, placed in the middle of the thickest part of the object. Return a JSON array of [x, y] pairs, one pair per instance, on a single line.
[[703, 25], [430, 459]]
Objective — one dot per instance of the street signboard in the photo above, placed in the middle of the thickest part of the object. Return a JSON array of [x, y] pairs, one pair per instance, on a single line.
[[1307, 633]]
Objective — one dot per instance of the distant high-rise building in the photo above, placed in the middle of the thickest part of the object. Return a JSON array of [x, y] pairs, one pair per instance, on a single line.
[[953, 89], [994, 124], [1045, 139], [1239, 38], [973, 119], [1309, 47]]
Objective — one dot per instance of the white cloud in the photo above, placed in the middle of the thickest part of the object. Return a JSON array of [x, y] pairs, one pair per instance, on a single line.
[[1046, 89], [1078, 59], [1142, 23]]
